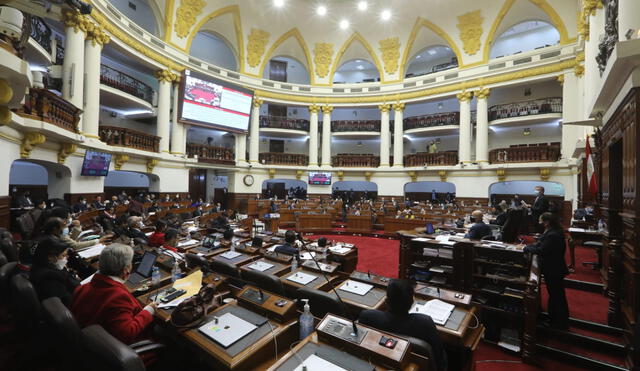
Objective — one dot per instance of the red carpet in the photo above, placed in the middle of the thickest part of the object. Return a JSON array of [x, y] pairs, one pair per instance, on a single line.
[[583, 273]]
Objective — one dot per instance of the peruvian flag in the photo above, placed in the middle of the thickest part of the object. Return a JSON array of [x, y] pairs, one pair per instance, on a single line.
[[591, 171]]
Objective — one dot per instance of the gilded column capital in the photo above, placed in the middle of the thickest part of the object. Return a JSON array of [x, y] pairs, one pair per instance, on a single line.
[[65, 151], [327, 109], [386, 107], [119, 160], [465, 96], [73, 18], [590, 6], [314, 109], [398, 107], [560, 79], [257, 102], [166, 76], [97, 35], [151, 163], [483, 93], [29, 142]]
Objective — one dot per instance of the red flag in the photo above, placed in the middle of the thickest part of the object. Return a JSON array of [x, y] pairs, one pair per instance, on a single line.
[[591, 171]]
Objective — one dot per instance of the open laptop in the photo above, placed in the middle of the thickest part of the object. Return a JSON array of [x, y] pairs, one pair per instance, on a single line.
[[144, 268]]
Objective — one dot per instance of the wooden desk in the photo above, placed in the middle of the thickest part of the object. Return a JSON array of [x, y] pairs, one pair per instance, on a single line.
[[370, 278], [266, 306], [238, 261], [313, 222], [278, 268], [272, 224], [359, 223], [374, 299], [393, 225]]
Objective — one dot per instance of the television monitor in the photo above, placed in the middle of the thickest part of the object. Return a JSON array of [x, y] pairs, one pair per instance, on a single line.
[[320, 178], [212, 103], [95, 163]]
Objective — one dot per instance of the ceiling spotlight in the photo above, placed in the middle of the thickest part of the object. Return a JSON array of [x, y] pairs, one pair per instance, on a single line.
[[278, 3], [362, 5], [344, 24], [360, 67], [418, 56], [385, 15], [322, 10]]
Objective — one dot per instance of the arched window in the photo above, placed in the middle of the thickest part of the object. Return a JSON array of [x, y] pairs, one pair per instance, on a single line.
[[288, 69], [431, 59], [213, 49], [142, 13], [524, 37], [355, 71]]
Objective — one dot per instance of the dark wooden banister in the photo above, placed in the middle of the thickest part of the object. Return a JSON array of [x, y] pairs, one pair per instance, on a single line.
[[41, 104], [124, 137], [431, 159], [294, 159], [355, 160], [525, 153], [211, 154]]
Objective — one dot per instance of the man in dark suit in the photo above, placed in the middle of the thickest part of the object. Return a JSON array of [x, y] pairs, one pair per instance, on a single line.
[[397, 319], [81, 206], [479, 229], [550, 249], [434, 197], [289, 244], [24, 200], [540, 205]]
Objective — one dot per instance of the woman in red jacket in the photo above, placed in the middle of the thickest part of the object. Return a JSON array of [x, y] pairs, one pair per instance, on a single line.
[[105, 301], [157, 238]]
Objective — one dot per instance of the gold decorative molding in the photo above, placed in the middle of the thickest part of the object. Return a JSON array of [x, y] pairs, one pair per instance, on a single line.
[[119, 160], [340, 175], [6, 92], [482, 93], [398, 107], [353, 38], [443, 175], [29, 142], [5, 115], [151, 163], [66, 150], [314, 108], [385, 107], [545, 174], [413, 175], [502, 174], [257, 102], [322, 53], [579, 67], [390, 49], [590, 6], [186, 16], [97, 35], [297, 36], [73, 18], [299, 174], [272, 173], [166, 76], [470, 26], [327, 109], [367, 175], [560, 79], [583, 26], [256, 46], [465, 96]]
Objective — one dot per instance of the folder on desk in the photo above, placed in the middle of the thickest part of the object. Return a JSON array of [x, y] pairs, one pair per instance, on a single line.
[[315, 363], [260, 266], [228, 329], [356, 287], [230, 255], [301, 278]]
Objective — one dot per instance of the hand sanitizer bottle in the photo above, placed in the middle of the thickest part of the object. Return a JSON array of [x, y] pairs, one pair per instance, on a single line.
[[306, 321]]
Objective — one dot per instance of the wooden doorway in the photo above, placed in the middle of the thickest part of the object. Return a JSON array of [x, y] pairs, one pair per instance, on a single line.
[[198, 183]]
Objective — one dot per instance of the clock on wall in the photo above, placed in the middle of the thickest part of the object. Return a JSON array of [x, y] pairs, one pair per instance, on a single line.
[[248, 180]]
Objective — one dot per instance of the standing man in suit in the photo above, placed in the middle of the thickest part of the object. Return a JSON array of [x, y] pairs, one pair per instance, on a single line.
[[539, 207], [434, 197]]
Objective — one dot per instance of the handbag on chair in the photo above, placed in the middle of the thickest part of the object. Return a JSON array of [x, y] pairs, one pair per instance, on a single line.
[[191, 312]]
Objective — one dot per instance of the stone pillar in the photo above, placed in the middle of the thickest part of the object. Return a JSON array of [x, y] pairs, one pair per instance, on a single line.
[[254, 131], [384, 134], [165, 80], [398, 135], [96, 38], [464, 146], [326, 136], [628, 17], [73, 64], [178, 139], [482, 126], [313, 135], [241, 148]]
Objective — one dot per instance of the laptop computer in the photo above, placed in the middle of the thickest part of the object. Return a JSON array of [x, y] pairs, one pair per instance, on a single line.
[[144, 268]]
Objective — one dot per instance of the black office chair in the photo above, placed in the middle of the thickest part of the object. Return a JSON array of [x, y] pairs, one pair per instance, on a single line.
[[225, 268], [265, 281], [24, 304], [65, 334], [3, 259], [108, 353], [195, 261], [5, 274], [512, 226], [9, 249], [322, 303], [421, 347]]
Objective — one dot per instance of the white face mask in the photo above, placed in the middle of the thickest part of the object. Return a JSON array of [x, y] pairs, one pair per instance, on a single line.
[[61, 263], [65, 231]]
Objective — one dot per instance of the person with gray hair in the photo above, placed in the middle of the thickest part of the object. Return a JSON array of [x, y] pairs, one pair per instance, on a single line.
[[134, 226], [106, 301]]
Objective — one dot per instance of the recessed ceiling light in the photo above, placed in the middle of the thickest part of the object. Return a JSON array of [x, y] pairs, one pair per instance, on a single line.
[[322, 10], [344, 24], [418, 56], [360, 67], [278, 3], [362, 5], [385, 15], [432, 51]]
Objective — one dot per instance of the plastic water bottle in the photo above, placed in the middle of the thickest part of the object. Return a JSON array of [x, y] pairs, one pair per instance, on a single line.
[[294, 264], [155, 276], [233, 245], [600, 225], [176, 274], [306, 320]]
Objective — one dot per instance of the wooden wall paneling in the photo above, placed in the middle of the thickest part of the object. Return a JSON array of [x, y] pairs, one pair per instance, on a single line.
[[5, 213], [38, 192], [74, 198]]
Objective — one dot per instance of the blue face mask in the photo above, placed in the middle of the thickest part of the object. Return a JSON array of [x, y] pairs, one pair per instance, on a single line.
[[65, 231]]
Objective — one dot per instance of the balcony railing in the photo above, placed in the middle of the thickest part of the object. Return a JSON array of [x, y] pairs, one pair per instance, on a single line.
[[526, 153], [428, 121], [292, 159], [355, 125], [41, 33], [276, 122], [41, 104], [355, 160], [532, 107], [448, 158], [123, 137], [59, 51], [125, 83], [211, 154]]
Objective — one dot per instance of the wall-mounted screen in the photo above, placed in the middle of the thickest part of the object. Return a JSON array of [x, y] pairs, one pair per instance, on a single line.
[[213, 103], [96, 163], [320, 178]]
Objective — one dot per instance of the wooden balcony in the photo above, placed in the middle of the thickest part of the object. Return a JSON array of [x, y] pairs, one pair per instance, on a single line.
[[527, 108], [43, 105], [290, 159], [448, 158], [355, 125], [211, 154], [428, 121], [355, 160], [123, 137], [526, 153], [125, 83], [277, 122]]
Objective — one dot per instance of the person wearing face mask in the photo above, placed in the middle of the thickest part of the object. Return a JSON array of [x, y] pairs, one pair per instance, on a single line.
[[49, 274], [106, 301], [550, 249], [135, 226], [58, 226], [540, 204], [81, 206]]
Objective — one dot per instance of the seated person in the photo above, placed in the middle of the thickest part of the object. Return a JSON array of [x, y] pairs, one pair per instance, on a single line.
[[134, 225], [81, 206], [288, 247], [158, 237], [106, 301], [257, 242], [227, 238], [153, 208], [584, 213], [322, 242], [49, 275], [171, 237], [60, 229], [398, 320], [97, 203], [108, 219], [479, 229], [172, 220]]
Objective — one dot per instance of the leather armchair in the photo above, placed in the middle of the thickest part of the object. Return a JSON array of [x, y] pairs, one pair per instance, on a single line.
[[65, 334]]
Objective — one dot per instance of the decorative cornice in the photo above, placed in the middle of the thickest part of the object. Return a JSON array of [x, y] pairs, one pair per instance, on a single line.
[[272, 173], [470, 26], [367, 175], [257, 102], [560, 79], [590, 6], [340, 175], [545, 174], [399, 107], [66, 150], [151, 163], [482, 93], [323, 52], [443, 175], [413, 175], [97, 35], [73, 18], [384, 108], [166, 76], [502, 174], [314, 108], [186, 16], [465, 96], [327, 109], [390, 49], [29, 142], [119, 160], [256, 46], [299, 174]]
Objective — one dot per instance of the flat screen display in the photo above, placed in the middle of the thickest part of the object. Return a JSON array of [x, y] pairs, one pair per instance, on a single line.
[[212, 103], [96, 163], [320, 178]]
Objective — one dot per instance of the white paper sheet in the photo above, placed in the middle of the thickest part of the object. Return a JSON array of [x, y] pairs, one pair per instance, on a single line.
[[230, 255], [92, 251], [355, 287], [260, 266], [301, 278]]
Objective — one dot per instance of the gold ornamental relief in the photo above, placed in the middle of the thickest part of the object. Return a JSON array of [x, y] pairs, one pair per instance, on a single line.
[[322, 54], [255, 48], [390, 49], [470, 26], [186, 16]]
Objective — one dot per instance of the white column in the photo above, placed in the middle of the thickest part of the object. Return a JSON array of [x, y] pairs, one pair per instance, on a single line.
[[241, 148], [73, 63], [482, 126], [178, 140], [628, 17], [464, 146], [326, 136], [384, 134], [572, 110], [96, 38], [165, 80], [313, 135], [398, 133], [254, 131]]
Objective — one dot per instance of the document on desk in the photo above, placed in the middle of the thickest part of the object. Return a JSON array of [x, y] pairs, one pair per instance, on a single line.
[[438, 310], [187, 242], [230, 255], [260, 266], [442, 238], [301, 278], [307, 255], [355, 287], [315, 363], [92, 251], [573, 229], [420, 239], [339, 249]]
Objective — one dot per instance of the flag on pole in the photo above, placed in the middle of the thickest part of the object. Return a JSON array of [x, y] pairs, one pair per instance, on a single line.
[[591, 171]]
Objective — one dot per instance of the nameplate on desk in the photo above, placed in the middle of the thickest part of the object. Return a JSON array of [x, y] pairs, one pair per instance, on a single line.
[[301, 278], [260, 266], [356, 287], [230, 255]]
